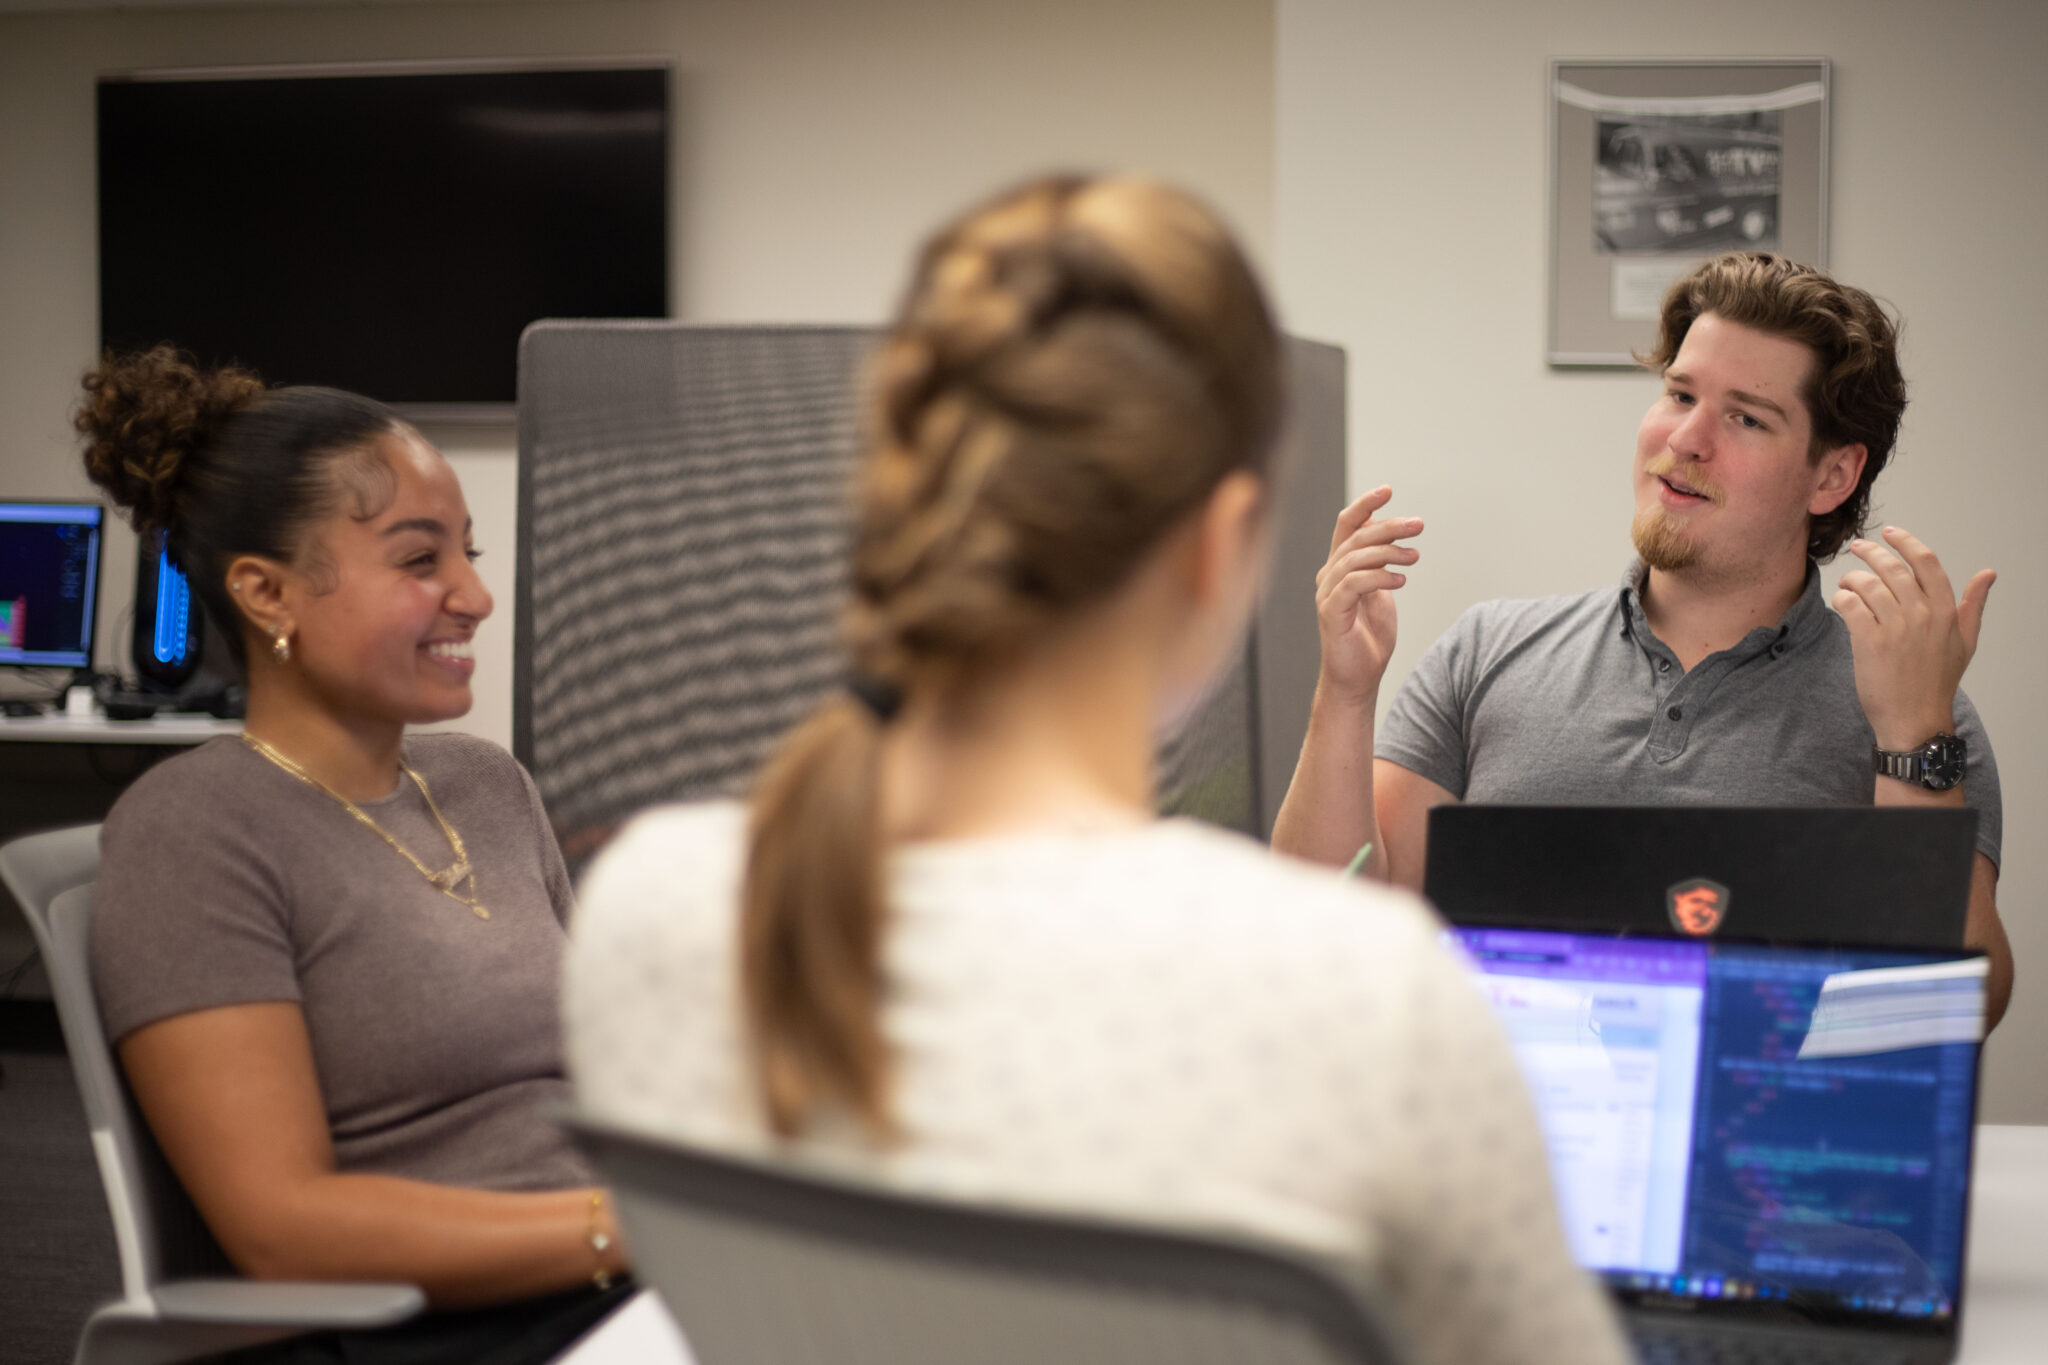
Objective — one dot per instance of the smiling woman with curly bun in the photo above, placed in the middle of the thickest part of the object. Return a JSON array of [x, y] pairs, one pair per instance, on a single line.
[[326, 950]]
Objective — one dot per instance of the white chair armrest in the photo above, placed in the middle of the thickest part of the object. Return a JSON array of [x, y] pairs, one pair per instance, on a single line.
[[309, 1306]]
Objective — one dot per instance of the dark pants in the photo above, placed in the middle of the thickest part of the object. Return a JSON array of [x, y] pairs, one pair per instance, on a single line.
[[527, 1333]]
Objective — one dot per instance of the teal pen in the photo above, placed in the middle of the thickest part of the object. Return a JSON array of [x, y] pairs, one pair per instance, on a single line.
[[1357, 863]]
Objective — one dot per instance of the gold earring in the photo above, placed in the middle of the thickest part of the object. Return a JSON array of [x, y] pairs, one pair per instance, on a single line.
[[281, 648]]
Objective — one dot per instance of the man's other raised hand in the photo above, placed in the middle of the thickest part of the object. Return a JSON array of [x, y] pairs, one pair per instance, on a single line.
[[1910, 637], [1354, 609]]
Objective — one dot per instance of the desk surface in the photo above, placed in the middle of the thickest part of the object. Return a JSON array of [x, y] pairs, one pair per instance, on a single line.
[[2005, 1297], [58, 728], [2005, 1290]]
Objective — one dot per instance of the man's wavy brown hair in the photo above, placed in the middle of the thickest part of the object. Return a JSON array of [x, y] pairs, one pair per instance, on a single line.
[[1854, 393]]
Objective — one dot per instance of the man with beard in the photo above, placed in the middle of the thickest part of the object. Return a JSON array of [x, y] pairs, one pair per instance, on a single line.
[[1714, 673]]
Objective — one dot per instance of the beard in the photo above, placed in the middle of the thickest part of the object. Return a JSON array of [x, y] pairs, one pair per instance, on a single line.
[[1662, 542]]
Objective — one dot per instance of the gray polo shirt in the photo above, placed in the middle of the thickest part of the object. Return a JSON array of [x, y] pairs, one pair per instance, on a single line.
[[1574, 701]]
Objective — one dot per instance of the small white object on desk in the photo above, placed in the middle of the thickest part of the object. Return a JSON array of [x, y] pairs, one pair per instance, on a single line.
[[639, 1332]]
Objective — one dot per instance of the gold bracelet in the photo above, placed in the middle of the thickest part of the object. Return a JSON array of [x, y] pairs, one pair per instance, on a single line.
[[600, 1242]]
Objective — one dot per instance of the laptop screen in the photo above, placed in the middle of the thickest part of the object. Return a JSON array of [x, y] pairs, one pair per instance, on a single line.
[[1784, 1128]]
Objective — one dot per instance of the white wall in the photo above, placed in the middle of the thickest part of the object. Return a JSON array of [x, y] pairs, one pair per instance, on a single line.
[[1409, 218], [816, 141]]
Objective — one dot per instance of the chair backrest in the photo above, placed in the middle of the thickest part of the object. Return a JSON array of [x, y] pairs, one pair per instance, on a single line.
[[762, 1263], [158, 1233], [683, 529], [36, 867]]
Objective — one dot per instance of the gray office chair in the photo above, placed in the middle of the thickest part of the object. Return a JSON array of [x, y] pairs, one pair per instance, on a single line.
[[180, 1297], [763, 1265], [684, 519]]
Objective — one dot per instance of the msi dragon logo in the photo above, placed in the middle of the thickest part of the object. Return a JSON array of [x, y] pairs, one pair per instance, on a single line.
[[1697, 907]]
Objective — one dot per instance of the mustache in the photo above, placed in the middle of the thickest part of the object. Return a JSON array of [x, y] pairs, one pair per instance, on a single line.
[[1695, 478]]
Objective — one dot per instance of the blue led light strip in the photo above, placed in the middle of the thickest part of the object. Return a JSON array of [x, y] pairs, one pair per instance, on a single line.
[[173, 611]]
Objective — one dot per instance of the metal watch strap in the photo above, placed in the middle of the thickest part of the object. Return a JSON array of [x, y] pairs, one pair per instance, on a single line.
[[1938, 765]]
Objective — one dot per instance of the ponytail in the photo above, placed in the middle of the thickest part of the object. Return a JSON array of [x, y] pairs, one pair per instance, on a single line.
[[1075, 367], [811, 924]]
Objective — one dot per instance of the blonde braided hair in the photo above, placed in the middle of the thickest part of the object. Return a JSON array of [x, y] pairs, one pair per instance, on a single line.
[[1075, 366]]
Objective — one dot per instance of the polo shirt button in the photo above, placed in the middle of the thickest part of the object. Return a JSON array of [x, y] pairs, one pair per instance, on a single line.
[[1676, 713], [1663, 665]]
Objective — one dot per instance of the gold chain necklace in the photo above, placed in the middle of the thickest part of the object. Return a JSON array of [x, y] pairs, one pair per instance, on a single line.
[[447, 879]]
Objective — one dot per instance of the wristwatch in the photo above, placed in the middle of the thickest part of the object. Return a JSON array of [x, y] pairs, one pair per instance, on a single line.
[[1936, 765]]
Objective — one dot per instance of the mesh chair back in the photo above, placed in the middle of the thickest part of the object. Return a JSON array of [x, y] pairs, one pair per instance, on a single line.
[[684, 519], [763, 1264]]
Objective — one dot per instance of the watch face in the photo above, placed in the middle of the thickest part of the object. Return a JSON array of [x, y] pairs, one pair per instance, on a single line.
[[1942, 762]]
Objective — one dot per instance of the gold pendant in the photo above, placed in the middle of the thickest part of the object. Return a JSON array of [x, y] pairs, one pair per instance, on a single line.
[[448, 878]]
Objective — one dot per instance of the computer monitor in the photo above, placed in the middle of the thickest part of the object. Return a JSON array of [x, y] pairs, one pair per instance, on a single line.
[[49, 583]]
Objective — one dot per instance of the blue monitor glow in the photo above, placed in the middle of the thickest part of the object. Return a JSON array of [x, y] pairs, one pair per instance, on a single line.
[[49, 583], [166, 646], [172, 638]]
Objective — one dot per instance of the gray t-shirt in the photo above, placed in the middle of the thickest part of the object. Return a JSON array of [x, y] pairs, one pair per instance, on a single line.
[[1574, 701], [225, 880]]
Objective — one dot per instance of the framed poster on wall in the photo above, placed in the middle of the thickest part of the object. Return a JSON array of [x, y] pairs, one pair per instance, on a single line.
[[1657, 165]]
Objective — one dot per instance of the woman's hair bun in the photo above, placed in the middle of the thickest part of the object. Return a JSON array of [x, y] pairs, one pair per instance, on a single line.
[[144, 416]]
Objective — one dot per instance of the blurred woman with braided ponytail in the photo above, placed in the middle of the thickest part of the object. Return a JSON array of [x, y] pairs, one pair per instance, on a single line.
[[949, 943]]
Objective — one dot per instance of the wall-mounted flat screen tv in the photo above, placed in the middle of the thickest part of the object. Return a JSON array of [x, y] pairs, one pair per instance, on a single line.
[[389, 230]]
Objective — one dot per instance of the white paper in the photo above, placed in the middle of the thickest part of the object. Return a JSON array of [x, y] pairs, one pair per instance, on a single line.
[[640, 1332], [1889, 1009], [1637, 291]]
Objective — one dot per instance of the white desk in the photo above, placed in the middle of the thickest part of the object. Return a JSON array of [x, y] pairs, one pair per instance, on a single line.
[[2005, 1292], [2005, 1296], [58, 728]]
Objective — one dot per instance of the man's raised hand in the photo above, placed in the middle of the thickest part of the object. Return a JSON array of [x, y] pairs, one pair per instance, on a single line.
[[1910, 637], [1354, 612]]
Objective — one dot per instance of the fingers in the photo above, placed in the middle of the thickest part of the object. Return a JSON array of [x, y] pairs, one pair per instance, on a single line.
[[1851, 607], [1358, 513], [1341, 597], [1889, 582], [1970, 615], [1905, 570], [1378, 533], [1927, 570], [1366, 557], [1865, 592]]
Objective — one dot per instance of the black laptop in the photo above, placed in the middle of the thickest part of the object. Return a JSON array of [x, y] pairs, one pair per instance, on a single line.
[[1763, 1149], [1801, 874]]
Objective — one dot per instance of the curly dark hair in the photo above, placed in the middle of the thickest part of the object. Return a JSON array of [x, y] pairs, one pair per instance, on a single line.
[[1854, 393], [222, 466], [143, 416]]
